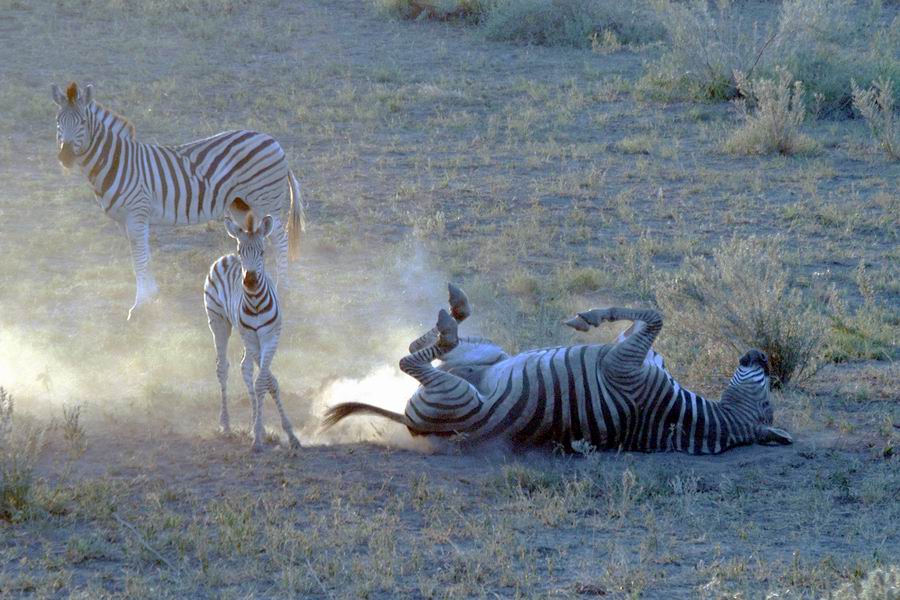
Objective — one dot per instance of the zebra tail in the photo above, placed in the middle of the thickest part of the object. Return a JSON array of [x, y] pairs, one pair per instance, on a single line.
[[298, 218], [341, 411]]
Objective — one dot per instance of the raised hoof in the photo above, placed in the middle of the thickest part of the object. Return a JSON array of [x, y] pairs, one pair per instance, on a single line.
[[459, 303], [578, 323], [447, 330], [595, 317]]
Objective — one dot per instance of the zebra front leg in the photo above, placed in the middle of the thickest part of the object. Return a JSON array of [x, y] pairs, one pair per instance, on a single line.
[[632, 351], [256, 429], [221, 330], [138, 231]]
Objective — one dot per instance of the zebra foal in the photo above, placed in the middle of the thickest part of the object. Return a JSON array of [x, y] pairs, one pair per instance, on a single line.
[[613, 396], [239, 294], [139, 184]]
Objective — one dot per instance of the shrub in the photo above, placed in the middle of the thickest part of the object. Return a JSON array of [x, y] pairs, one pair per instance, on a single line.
[[19, 448], [774, 125], [578, 23], [741, 299], [817, 40], [876, 105]]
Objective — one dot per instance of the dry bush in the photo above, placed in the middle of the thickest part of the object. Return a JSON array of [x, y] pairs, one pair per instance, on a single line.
[[578, 23], [823, 42], [773, 124], [876, 105], [19, 449], [879, 584], [440, 10], [717, 309]]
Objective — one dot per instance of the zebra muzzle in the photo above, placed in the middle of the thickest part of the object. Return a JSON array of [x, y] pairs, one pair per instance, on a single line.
[[250, 279], [66, 155]]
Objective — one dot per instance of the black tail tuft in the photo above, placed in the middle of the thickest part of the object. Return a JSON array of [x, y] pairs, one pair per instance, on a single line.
[[341, 411]]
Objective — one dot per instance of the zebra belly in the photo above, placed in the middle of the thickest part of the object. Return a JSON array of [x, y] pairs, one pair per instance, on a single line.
[[552, 396]]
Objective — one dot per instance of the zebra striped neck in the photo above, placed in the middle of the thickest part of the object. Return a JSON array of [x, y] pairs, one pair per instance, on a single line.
[[109, 132], [113, 123], [751, 374], [684, 421]]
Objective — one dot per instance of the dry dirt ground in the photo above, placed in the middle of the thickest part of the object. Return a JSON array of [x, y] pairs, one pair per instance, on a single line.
[[426, 154]]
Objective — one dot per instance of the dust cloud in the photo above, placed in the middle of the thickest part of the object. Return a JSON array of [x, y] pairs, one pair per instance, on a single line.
[[349, 316]]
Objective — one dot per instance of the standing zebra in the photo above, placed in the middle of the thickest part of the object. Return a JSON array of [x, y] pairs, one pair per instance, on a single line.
[[139, 184], [609, 395], [239, 293]]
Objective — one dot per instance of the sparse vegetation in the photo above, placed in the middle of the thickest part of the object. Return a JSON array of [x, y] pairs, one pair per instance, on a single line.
[[817, 40], [441, 10], [876, 105], [773, 124], [603, 25], [536, 178], [579, 23], [870, 331], [740, 299]]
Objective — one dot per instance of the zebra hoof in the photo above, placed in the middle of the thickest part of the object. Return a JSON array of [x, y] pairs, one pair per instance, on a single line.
[[257, 447], [293, 442], [446, 326], [578, 323], [596, 316], [459, 303]]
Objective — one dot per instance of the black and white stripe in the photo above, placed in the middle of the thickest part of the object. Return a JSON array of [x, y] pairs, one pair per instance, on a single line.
[[611, 396], [139, 184], [239, 294]]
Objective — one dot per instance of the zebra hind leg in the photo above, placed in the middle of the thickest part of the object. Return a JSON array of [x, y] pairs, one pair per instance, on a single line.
[[459, 308], [273, 388], [255, 417]]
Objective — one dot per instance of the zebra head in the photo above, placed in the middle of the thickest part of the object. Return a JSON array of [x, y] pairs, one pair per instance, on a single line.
[[72, 130], [251, 241], [753, 371]]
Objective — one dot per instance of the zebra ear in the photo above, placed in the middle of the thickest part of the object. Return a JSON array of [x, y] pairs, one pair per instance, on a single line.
[[267, 225], [773, 435], [87, 94], [58, 96], [232, 228]]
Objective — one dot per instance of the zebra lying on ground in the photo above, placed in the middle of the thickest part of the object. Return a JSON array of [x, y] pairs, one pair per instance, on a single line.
[[238, 293], [139, 184], [608, 395]]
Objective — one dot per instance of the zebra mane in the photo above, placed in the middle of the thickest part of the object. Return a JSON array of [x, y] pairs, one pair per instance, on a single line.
[[113, 121]]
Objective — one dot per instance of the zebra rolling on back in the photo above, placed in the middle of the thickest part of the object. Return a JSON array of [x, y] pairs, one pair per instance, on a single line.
[[613, 396], [138, 184], [239, 294]]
